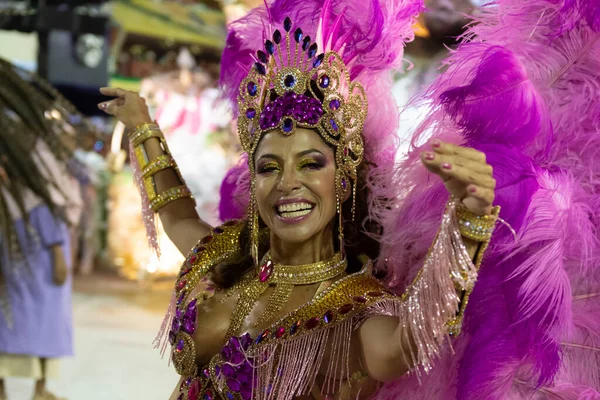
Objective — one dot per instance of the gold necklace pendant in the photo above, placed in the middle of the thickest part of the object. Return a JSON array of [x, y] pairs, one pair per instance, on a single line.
[[284, 278]]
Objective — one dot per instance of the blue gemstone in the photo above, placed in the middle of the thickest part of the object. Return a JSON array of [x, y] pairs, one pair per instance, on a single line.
[[289, 81], [324, 82], [288, 125], [270, 47], [319, 60], [312, 50], [287, 24], [252, 88], [333, 125], [250, 113], [305, 43], [277, 36], [260, 68], [262, 56], [334, 104], [230, 396], [298, 35]]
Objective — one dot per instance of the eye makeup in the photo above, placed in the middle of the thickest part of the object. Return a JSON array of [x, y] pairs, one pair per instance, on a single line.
[[312, 163], [267, 167]]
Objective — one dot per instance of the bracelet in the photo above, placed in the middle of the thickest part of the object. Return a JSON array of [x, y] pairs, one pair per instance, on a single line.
[[158, 164], [478, 228], [168, 196], [144, 132]]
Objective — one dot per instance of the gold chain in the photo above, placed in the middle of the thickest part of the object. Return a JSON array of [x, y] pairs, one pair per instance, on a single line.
[[284, 277]]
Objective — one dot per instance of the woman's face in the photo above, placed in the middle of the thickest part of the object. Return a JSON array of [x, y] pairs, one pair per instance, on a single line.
[[295, 185]]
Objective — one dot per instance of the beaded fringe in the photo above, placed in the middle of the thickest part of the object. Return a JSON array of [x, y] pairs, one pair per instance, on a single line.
[[289, 369], [147, 213], [431, 301]]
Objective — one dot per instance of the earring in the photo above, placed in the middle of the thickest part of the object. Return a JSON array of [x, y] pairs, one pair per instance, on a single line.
[[253, 218], [340, 194]]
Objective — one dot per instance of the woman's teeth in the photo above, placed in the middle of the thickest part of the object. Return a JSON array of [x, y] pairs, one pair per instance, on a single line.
[[294, 210]]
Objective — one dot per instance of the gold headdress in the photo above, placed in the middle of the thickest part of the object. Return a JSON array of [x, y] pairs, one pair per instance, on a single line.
[[291, 86]]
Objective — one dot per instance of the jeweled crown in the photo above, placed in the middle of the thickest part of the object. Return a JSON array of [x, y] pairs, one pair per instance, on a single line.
[[291, 86]]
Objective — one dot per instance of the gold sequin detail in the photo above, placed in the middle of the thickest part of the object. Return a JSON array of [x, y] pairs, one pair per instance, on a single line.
[[478, 228]]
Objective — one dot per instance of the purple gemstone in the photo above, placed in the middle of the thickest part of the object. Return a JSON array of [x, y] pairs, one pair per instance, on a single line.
[[344, 183], [324, 81], [262, 56], [228, 371], [206, 373], [192, 305], [260, 68], [217, 370], [234, 385], [252, 88], [208, 395], [237, 358], [288, 125], [172, 337], [176, 325], [245, 341], [328, 317], [246, 393], [305, 43], [226, 353], [277, 36], [312, 50], [298, 35], [230, 396], [180, 345], [334, 104], [245, 379], [333, 125], [234, 344], [178, 313], [180, 299], [250, 113], [318, 61], [189, 325], [270, 47], [287, 24], [188, 381], [289, 81], [295, 327]]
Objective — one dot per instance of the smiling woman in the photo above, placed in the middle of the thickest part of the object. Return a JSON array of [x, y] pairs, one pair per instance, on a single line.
[[283, 304]]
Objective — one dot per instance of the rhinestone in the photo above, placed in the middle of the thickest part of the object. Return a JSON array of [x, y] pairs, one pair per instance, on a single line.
[[260, 68], [262, 56], [192, 259], [250, 113], [270, 47], [312, 50], [360, 299], [280, 332], [265, 271], [333, 124], [344, 183], [289, 81], [334, 104], [252, 88], [277, 36], [305, 43], [298, 35], [318, 61], [206, 239], [328, 317], [295, 327], [324, 81], [180, 346], [181, 285], [288, 125], [218, 230], [287, 24], [312, 323]]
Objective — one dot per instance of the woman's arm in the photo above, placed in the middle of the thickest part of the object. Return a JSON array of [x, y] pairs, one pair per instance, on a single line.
[[433, 305], [178, 215]]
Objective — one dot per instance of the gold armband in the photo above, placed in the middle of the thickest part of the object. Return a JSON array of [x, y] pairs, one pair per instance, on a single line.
[[478, 228], [149, 168]]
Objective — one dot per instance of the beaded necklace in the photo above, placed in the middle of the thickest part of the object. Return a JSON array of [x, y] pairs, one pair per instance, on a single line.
[[284, 278]]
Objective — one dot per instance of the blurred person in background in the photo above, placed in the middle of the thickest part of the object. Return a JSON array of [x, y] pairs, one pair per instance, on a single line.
[[40, 204]]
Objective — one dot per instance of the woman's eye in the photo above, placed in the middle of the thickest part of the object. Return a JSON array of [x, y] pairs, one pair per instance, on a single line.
[[270, 167], [311, 164]]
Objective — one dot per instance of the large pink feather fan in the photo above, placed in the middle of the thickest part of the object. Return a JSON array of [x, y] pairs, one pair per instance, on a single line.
[[524, 88]]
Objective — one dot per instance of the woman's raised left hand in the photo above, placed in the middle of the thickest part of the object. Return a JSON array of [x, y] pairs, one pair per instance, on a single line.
[[465, 172]]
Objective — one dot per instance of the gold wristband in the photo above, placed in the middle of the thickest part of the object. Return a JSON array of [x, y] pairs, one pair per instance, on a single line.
[[168, 196], [158, 164], [145, 132], [478, 228]]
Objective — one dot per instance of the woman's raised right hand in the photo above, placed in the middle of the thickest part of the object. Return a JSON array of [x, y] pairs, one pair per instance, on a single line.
[[128, 107]]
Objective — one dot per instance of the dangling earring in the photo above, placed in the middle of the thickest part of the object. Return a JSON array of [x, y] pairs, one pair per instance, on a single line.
[[253, 217], [340, 193]]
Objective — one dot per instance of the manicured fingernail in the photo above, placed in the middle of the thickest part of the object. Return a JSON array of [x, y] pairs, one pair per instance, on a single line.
[[429, 156], [472, 189], [446, 166], [436, 143]]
